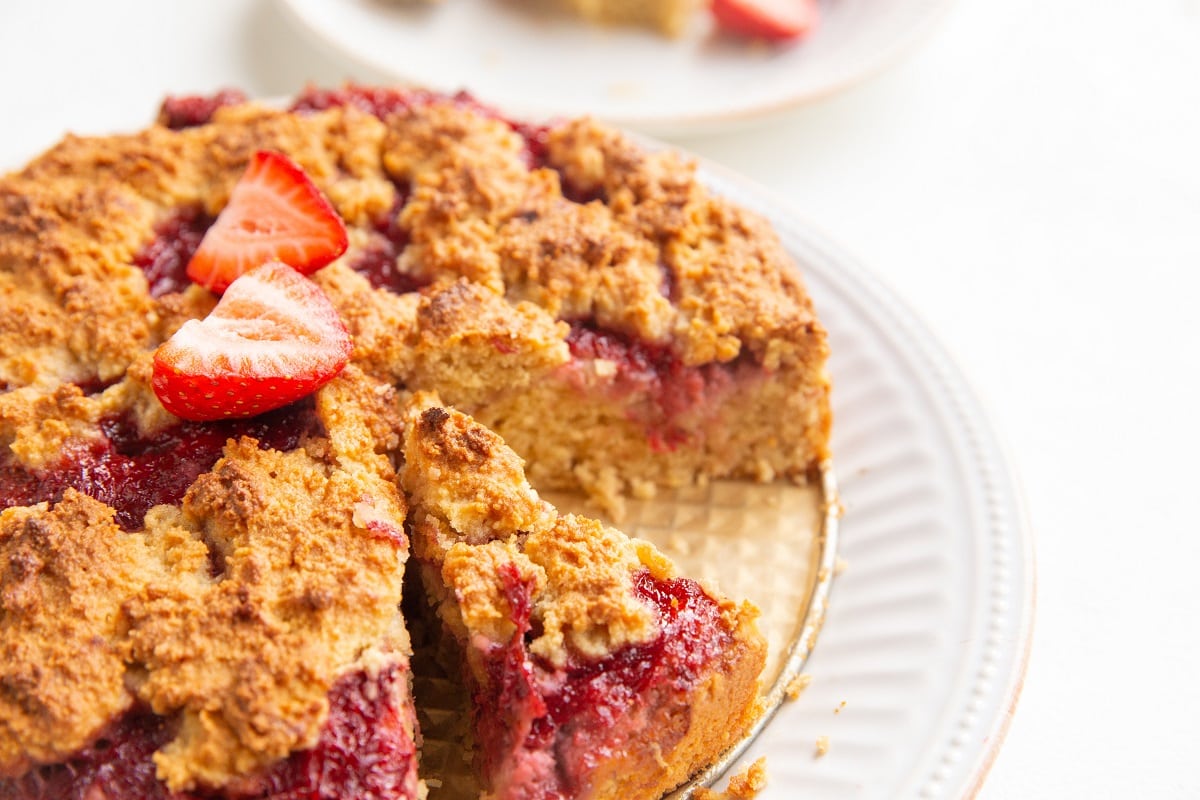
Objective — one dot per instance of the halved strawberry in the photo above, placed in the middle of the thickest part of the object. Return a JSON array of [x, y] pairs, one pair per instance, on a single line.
[[274, 213], [775, 20], [273, 338]]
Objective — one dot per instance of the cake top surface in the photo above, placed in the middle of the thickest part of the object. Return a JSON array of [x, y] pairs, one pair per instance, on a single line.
[[236, 608], [575, 218]]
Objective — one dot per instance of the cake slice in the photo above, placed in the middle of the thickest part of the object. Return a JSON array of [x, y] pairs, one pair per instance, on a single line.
[[594, 671], [669, 17], [202, 610]]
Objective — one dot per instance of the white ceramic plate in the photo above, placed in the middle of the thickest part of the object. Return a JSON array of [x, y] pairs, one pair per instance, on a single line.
[[533, 64], [927, 633]]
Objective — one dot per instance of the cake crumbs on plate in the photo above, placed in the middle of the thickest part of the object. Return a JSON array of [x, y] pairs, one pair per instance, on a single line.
[[679, 544], [841, 705], [822, 746], [742, 786], [797, 685], [839, 566]]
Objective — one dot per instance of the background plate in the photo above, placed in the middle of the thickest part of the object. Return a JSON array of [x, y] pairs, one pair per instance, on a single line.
[[533, 63]]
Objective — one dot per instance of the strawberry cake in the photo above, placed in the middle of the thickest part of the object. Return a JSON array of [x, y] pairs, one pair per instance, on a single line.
[[249, 354]]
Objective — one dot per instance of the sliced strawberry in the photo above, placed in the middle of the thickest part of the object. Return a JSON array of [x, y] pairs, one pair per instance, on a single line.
[[273, 338], [274, 213], [775, 20]]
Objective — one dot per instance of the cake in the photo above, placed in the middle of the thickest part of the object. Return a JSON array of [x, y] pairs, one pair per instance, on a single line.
[[594, 670], [201, 568], [667, 16]]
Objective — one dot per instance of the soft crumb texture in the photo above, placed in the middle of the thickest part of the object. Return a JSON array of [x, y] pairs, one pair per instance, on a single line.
[[822, 746], [237, 611], [797, 685]]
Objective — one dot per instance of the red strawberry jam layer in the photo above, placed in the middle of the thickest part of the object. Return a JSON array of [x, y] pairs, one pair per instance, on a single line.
[[657, 390], [133, 473], [377, 260], [550, 726], [164, 260], [365, 751], [187, 111]]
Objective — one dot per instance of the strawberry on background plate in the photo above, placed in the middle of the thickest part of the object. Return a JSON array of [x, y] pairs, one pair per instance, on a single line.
[[273, 338], [775, 20], [274, 213]]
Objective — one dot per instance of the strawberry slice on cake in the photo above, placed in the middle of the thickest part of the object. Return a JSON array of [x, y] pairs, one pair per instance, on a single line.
[[273, 338], [275, 213], [594, 671]]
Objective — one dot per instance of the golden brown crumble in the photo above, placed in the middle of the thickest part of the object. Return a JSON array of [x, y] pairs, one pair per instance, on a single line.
[[64, 574], [822, 746], [311, 547], [797, 685]]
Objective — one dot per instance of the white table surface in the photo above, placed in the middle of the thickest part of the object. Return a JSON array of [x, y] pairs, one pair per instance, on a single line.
[[1028, 180]]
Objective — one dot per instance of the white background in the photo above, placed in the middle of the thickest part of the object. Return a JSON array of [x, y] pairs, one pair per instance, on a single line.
[[1028, 180]]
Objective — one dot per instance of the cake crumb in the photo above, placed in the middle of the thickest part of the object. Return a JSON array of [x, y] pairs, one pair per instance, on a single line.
[[839, 566], [678, 544], [748, 784], [822, 746], [841, 705], [797, 685], [742, 786]]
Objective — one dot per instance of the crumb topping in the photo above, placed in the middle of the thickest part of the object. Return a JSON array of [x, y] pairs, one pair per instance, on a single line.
[[464, 476], [64, 573], [236, 611], [471, 498], [588, 601]]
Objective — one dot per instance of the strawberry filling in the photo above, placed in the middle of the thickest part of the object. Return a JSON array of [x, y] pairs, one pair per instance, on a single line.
[[376, 260], [187, 111], [657, 390], [165, 258], [365, 751], [133, 473], [545, 729]]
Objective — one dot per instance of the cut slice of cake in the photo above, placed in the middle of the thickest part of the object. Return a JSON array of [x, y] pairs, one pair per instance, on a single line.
[[666, 16], [594, 671], [202, 610]]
